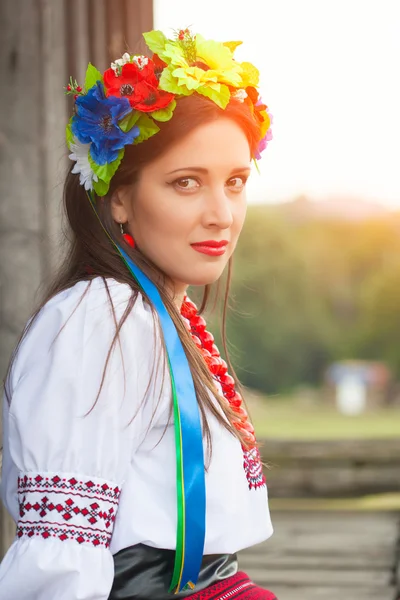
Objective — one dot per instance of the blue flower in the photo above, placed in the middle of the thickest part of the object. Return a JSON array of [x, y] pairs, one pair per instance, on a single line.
[[96, 122]]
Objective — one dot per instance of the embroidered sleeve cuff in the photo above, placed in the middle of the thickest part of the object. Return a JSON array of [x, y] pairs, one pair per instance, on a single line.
[[65, 506]]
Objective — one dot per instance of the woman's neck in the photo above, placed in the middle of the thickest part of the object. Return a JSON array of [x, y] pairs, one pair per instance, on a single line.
[[178, 299], [178, 292]]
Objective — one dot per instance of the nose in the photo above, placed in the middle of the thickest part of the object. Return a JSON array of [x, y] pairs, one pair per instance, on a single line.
[[218, 209]]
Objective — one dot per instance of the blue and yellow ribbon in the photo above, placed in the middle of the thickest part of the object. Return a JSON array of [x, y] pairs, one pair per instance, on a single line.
[[190, 471], [189, 445]]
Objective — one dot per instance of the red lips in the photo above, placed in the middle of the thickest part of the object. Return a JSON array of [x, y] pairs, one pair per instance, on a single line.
[[212, 243], [211, 247]]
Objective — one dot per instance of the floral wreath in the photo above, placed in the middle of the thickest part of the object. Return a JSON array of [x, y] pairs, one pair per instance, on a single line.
[[124, 105]]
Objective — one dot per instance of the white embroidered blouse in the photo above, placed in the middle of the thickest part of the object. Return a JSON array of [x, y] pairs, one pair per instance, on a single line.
[[89, 467]]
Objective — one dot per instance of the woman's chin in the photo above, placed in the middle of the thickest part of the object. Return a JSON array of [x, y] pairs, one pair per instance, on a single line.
[[211, 276]]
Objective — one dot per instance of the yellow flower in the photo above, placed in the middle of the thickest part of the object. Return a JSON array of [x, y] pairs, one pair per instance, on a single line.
[[198, 65]]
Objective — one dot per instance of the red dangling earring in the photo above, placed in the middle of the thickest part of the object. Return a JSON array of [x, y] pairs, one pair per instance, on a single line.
[[127, 237]]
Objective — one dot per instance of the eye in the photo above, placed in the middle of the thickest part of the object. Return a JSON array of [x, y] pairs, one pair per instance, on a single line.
[[186, 183], [236, 184]]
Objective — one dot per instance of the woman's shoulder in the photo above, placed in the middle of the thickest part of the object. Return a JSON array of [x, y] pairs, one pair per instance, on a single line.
[[98, 293], [86, 316], [99, 300]]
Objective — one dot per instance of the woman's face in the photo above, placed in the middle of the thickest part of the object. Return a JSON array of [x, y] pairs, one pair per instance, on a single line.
[[188, 202]]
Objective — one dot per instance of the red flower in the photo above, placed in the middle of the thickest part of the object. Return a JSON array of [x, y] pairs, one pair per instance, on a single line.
[[254, 101], [159, 65], [138, 85]]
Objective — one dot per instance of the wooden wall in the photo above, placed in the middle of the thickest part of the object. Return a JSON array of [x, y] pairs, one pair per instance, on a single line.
[[42, 43]]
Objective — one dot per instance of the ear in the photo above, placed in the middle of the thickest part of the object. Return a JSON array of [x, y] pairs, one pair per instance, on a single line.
[[120, 205]]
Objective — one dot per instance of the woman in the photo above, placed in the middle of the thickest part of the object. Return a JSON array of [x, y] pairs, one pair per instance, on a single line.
[[130, 465]]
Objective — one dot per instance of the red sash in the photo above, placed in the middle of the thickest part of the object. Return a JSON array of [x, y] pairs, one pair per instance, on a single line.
[[238, 586]]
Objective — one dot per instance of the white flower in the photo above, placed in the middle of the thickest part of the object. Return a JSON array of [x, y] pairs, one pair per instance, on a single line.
[[140, 61], [120, 62], [82, 166], [240, 94]]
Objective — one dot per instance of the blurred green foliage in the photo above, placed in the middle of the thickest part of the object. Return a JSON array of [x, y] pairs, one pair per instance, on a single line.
[[309, 291]]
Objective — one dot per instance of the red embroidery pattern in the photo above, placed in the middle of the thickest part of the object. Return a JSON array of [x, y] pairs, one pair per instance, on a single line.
[[51, 530], [67, 508], [253, 468]]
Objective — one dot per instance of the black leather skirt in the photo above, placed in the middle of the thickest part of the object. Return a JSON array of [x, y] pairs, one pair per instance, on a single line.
[[145, 573]]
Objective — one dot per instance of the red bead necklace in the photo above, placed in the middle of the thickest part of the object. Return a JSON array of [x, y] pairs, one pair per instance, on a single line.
[[204, 340]]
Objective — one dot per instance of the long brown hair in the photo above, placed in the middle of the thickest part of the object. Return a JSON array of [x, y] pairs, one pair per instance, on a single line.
[[90, 253]]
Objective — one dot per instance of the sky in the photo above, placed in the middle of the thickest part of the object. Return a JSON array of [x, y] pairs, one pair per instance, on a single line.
[[330, 75]]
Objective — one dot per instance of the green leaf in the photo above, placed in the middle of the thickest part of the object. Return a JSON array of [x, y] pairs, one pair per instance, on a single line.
[[100, 187], [168, 83], [105, 172], [189, 83], [147, 128], [173, 55], [156, 41], [68, 134], [255, 162], [129, 121], [218, 94], [92, 77], [164, 114]]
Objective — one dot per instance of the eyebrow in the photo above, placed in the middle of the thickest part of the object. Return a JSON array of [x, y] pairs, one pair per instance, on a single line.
[[203, 170]]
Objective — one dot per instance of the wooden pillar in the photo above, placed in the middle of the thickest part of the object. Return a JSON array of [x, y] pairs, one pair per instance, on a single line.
[[31, 132], [42, 43]]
